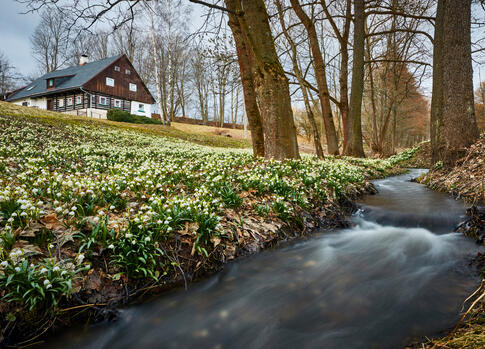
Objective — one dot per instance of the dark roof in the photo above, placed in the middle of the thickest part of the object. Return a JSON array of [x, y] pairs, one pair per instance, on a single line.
[[73, 77]]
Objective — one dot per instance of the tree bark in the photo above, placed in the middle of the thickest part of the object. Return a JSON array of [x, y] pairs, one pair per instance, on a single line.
[[356, 147], [453, 123], [246, 62], [271, 83], [320, 75]]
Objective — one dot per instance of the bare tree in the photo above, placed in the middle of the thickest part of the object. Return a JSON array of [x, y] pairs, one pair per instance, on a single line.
[[200, 73], [8, 77], [320, 76], [50, 41], [257, 56], [299, 75]]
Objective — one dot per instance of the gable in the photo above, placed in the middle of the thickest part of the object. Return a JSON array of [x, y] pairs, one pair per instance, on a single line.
[[122, 82]]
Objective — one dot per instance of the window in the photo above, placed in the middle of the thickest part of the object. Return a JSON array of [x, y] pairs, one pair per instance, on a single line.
[[60, 103], [102, 100], [110, 82], [25, 104], [79, 100], [117, 103], [127, 71], [141, 108], [132, 87], [93, 100], [117, 68], [69, 101], [50, 83]]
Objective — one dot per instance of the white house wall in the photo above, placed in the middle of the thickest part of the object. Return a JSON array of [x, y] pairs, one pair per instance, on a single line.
[[136, 110], [40, 103]]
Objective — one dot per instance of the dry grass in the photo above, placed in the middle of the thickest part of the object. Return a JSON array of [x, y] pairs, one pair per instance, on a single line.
[[304, 144]]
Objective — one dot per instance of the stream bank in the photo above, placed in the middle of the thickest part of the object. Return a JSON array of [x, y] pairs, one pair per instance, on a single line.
[[376, 284]]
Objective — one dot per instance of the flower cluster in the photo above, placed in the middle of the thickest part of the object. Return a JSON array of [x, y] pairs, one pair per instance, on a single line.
[[127, 192]]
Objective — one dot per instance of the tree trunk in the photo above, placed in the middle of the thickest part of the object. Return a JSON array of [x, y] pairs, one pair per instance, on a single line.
[[271, 83], [244, 56], [356, 147], [343, 38], [296, 68], [453, 122], [320, 75]]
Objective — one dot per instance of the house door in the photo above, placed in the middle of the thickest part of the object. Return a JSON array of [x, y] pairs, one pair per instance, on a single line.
[[50, 104]]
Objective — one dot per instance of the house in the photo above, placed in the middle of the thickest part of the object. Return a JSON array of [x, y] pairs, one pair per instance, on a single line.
[[90, 88]]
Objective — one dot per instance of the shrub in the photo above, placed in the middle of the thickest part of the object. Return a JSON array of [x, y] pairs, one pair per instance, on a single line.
[[120, 115], [124, 116]]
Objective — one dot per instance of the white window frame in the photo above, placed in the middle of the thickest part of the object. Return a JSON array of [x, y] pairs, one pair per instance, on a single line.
[[117, 103], [127, 71], [69, 101], [117, 68], [133, 87], [60, 103], [141, 108], [105, 100], [79, 100], [110, 82]]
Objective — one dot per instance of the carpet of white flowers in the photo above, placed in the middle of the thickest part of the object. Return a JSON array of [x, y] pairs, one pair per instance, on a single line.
[[76, 196]]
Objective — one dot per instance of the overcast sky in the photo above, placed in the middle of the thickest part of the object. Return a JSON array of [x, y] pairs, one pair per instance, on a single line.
[[16, 29]]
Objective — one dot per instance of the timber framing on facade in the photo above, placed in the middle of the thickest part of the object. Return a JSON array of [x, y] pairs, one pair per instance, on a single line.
[[90, 88]]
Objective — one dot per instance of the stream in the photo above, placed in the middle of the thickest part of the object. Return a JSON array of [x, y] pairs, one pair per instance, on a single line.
[[400, 273]]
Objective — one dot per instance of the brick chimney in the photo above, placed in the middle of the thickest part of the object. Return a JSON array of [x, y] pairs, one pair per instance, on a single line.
[[83, 60]]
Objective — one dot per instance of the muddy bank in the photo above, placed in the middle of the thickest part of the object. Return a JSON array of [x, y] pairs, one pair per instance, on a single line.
[[466, 180]]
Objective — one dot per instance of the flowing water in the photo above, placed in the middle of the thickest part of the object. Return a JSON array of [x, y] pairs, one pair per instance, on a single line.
[[400, 273]]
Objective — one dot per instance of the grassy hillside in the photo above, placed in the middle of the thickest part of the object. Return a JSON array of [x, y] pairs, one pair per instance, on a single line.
[[192, 134]]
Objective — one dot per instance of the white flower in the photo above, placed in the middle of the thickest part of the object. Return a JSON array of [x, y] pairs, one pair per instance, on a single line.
[[56, 268], [147, 239], [58, 209], [51, 246], [17, 269], [112, 207], [63, 272], [4, 264], [14, 214], [80, 258], [71, 213], [128, 235], [133, 242], [46, 282], [43, 270], [111, 246], [101, 213]]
